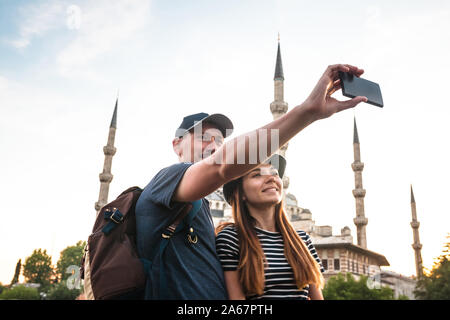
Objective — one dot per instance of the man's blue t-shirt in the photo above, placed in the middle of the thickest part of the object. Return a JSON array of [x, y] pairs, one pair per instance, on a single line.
[[193, 271]]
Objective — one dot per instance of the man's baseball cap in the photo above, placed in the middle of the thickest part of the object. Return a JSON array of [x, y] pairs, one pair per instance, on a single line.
[[276, 160], [218, 120]]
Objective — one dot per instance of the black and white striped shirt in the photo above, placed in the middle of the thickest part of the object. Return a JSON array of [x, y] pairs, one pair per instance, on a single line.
[[279, 277]]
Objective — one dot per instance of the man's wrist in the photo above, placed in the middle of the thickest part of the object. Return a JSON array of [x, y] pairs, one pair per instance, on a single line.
[[305, 113]]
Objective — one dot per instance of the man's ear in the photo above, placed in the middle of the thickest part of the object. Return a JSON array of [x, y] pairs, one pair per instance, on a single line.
[[176, 144]]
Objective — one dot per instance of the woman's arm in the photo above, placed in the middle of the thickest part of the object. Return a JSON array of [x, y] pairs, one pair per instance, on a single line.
[[315, 293], [233, 285]]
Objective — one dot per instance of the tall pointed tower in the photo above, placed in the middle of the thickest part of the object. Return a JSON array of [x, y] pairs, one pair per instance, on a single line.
[[416, 245], [359, 193], [109, 150], [278, 107]]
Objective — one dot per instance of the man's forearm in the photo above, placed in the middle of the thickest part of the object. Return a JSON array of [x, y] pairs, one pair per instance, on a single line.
[[247, 151]]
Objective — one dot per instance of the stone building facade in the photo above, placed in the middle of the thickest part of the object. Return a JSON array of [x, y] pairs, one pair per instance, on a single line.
[[402, 285]]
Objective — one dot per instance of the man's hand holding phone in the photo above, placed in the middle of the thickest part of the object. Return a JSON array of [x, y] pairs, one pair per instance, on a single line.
[[320, 104]]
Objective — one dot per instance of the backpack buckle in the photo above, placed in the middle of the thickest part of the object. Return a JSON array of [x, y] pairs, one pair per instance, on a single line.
[[116, 216], [192, 237]]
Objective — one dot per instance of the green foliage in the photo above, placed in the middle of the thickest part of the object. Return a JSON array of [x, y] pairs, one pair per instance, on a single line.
[[60, 291], [436, 285], [69, 256], [345, 287], [20, 292], [38, 268]]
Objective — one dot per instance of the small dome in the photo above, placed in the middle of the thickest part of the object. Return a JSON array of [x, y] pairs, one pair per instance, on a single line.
[[291, 196], [345, 231], [291, 200]]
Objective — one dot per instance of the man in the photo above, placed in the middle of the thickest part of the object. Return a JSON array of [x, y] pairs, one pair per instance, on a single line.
[[193, 270]]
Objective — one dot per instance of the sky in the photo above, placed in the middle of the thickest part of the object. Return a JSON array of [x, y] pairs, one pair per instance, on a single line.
[[63, 63]]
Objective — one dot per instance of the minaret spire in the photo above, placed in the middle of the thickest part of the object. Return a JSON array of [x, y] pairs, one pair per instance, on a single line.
[[416, 245], [359, 193], [109, 150], [412, 196], [279, 65], [355, 132], [114, 117], [279, 107]]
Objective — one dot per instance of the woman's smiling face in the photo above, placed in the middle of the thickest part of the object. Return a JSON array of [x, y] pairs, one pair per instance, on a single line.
[[263, 186]]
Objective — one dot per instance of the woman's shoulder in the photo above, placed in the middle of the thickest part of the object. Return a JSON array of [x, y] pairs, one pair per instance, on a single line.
[[226, 229], [227, 238], [303, 234]]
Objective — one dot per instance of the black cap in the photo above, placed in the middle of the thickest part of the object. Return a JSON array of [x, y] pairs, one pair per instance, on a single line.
[[219, 120], [276, 160]]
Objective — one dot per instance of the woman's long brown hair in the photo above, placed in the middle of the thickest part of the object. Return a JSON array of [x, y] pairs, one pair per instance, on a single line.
[[251, 255]]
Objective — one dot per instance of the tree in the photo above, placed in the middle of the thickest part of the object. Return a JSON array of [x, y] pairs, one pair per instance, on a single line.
[[435, 284], [70, 256], [38, 268], [345, 287], [17, 272]]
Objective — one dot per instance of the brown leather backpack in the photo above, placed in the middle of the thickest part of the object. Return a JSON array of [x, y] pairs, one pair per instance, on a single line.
[[111, 267]]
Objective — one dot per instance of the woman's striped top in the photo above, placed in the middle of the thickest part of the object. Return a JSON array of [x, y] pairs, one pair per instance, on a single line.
[[279, 277]]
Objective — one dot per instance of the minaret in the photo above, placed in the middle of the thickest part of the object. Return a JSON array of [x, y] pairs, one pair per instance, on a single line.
[[109, 150], [278, 107], [416, 245], [359, 193]]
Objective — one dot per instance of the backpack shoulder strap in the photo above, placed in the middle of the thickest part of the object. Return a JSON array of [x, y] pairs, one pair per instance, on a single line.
[[185, 217], [186, 220]]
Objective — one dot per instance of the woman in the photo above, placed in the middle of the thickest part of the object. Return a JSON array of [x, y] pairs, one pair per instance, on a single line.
[[261, 253]]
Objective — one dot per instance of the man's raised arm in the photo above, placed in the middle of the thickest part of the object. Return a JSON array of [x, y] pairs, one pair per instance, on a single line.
[[243, 153]]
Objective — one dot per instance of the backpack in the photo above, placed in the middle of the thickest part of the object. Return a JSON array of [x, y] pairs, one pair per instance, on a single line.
[[111, 267]]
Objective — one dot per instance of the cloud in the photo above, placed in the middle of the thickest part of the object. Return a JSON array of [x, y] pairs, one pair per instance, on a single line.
[[36, 20], [96, 28], [104, 25]]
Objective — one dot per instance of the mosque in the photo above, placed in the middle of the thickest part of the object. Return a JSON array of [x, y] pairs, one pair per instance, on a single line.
[[338, 252]]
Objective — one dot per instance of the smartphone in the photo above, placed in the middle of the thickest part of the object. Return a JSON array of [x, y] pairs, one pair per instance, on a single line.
[[352, 86]]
